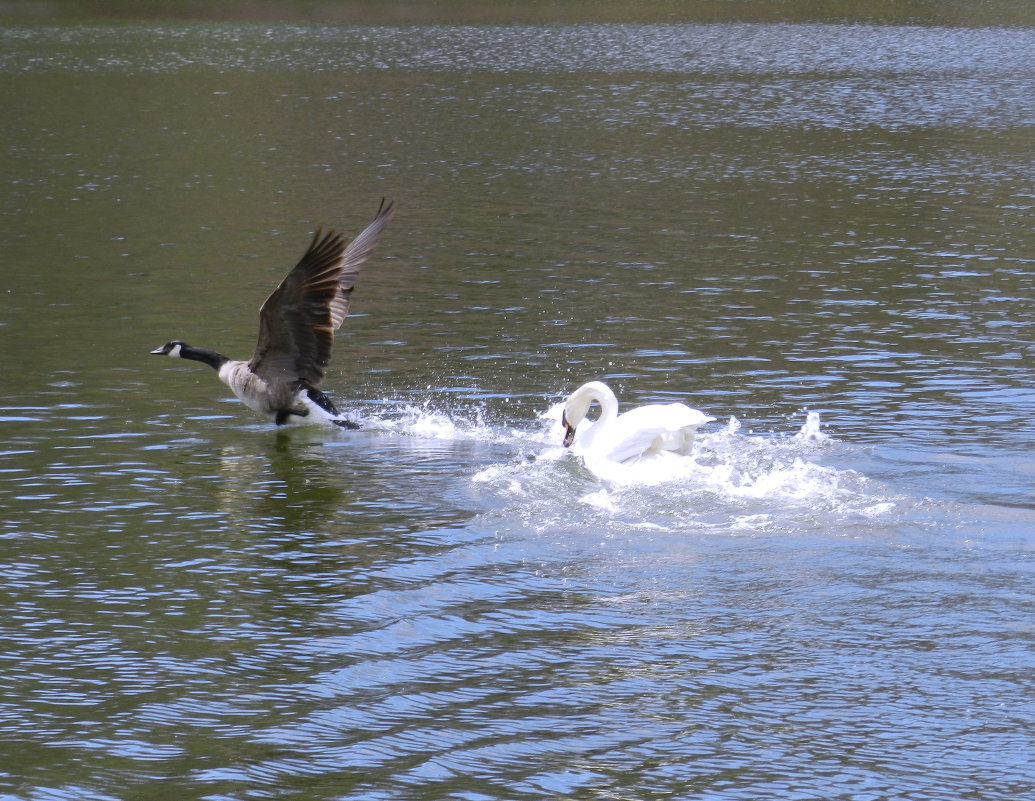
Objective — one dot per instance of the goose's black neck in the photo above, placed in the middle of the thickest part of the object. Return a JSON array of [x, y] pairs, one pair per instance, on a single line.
[[209, 357]]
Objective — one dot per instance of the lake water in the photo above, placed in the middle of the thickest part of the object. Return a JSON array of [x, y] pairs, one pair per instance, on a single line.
[[761, 220]]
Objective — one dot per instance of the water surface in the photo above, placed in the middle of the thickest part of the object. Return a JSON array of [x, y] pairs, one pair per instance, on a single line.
[[761, 220]]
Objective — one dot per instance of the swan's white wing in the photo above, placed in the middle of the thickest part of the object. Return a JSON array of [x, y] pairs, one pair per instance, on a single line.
[[688, 416], [649, 429]]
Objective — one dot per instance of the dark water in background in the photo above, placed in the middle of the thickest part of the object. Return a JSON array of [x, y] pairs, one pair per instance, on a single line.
[[758, 219]]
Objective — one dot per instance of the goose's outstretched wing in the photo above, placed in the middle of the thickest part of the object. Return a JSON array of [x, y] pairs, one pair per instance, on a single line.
[[298, 320], [353, 259]]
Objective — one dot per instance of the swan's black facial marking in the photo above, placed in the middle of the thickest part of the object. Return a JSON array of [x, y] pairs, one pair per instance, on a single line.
[[569, 431]]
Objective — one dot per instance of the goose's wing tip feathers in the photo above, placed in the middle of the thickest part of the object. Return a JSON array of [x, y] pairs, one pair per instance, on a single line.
[[353, 257]]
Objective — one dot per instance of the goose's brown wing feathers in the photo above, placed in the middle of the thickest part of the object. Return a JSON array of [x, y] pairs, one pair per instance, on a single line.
[[298, 320]]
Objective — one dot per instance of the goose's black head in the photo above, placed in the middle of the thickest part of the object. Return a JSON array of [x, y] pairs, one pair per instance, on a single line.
[[173, 348], [179, 349]]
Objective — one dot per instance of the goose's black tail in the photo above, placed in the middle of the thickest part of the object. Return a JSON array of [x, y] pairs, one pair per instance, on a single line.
[[328, 406]]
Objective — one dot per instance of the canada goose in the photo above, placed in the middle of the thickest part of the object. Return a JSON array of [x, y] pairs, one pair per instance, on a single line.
[[639, 432], [296, 328]]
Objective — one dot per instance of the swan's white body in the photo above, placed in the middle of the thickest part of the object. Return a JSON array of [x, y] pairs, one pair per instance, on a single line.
[[638, 433]]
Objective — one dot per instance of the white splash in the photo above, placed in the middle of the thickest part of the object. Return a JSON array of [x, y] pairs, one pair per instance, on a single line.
[[428, 423], [601, 499], [733, 481], [811, 430]]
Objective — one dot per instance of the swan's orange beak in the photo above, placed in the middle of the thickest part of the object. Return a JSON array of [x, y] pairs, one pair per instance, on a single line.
[[569, 431]]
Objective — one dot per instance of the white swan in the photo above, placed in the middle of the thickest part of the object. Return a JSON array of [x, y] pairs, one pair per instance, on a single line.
[[644, 431]]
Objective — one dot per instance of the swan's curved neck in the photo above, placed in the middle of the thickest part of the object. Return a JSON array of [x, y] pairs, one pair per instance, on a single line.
[[582, 398]]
